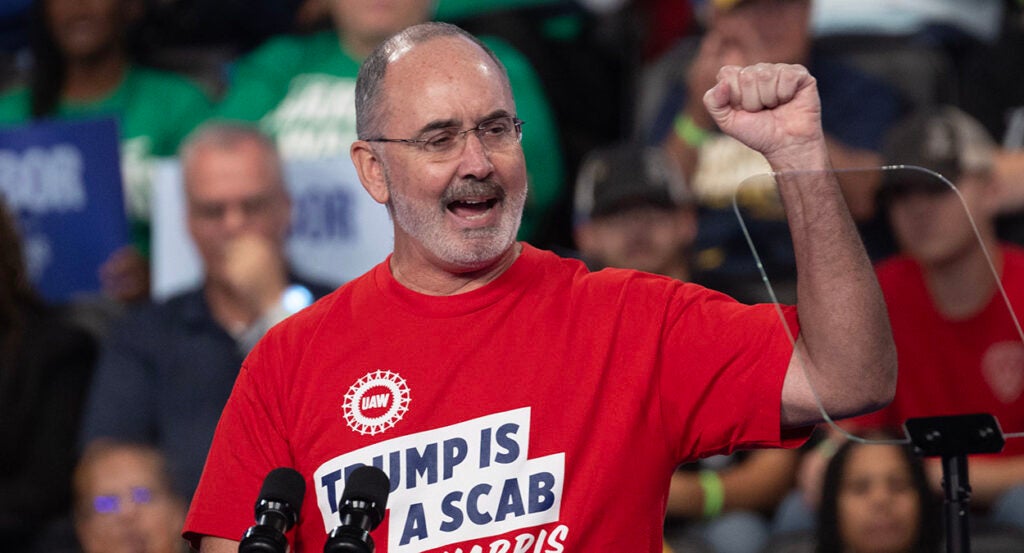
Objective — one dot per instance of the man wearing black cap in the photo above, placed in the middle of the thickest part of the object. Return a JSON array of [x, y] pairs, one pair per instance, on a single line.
[[633, 210], [958, 347]]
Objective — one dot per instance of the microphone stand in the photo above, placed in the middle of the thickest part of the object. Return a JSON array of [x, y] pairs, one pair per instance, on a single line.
[[952, 438]]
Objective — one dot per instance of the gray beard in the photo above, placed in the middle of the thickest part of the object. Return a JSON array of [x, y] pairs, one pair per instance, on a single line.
[[470, 248]]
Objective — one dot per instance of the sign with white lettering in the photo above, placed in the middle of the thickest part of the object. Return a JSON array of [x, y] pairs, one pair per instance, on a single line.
[[62, 179]]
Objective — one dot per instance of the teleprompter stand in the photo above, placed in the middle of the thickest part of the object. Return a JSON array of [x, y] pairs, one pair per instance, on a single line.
[[953, 438]]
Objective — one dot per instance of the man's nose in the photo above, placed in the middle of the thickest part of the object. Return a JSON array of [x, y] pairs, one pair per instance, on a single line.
[[475, 160], [234, 218]]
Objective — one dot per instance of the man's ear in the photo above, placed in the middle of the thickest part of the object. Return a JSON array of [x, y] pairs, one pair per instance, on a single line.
[[370, 169]]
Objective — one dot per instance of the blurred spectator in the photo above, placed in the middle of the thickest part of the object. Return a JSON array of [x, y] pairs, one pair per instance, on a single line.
[[45, 366], [857, 110], [876, 499], [959, 349], [633, 210], [300, 89], [167, 369], [83, 67], [124, 502]]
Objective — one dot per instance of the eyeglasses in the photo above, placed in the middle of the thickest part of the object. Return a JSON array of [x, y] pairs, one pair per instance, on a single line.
[[111, 504], [500, 133]]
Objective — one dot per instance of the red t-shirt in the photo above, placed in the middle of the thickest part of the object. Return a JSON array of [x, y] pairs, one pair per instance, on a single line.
[[542, 412], [949, 367]]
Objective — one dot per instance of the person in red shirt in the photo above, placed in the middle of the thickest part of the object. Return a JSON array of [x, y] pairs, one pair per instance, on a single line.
[[960, 349], [511, 396]]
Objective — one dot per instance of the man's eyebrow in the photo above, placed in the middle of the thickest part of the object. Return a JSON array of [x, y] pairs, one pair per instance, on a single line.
[[455, 123], [439, 124]]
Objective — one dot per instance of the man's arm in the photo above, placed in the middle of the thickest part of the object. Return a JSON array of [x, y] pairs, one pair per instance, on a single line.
[[757, 483], [845, 351]]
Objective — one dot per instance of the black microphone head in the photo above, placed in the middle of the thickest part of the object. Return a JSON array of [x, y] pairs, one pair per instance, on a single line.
[[284, 485], [368, 484], [277, 510]]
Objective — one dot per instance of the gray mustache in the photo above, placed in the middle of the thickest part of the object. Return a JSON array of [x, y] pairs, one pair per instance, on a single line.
[[469, 188]]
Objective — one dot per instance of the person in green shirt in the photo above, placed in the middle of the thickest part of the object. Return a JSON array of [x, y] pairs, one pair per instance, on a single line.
[[301, 91], [83, 68]]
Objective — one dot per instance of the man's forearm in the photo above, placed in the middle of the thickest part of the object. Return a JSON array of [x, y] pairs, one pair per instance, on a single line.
[[845, 334]]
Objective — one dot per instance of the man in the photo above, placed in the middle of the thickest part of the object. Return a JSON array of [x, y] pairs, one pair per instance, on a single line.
[[167, 369], [960, 350], [510, 395], [633, 210]]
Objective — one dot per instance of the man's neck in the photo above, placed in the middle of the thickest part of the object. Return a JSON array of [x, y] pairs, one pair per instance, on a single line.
[[964, 286], [421, 275]]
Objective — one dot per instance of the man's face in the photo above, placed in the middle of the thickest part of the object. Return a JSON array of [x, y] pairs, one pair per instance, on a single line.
[[461, 212], [232, 192], [85, 29], [933, 227], [647, 238], [772, 31]]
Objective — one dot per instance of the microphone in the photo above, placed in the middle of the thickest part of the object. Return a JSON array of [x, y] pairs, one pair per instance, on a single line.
[[277, 510], [361, 509]]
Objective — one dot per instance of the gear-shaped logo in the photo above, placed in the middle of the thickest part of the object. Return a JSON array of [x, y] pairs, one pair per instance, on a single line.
[[376, 402]]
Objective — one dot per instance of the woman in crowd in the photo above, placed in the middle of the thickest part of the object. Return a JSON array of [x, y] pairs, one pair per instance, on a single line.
[[876, 499], [84, 67]]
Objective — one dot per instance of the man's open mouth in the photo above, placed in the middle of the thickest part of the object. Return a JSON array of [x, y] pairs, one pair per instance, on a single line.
[[473, 207]]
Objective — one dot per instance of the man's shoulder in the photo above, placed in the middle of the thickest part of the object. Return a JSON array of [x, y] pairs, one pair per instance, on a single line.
[[174, 310]]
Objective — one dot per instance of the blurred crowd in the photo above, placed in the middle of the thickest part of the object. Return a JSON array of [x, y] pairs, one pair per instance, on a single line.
[[106, 427]]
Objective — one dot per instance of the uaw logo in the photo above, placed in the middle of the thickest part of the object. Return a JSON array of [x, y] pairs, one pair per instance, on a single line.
[[376, 402]]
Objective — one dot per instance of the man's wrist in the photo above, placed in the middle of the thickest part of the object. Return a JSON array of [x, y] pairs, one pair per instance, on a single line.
[[689, 132], [714, 493]]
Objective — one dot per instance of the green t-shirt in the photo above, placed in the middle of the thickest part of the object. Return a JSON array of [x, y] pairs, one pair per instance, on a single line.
[[301, 90], [154, 109]]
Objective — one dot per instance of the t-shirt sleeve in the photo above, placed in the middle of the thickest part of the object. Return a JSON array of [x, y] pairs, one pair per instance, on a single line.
[[248, 444], [722, 374]]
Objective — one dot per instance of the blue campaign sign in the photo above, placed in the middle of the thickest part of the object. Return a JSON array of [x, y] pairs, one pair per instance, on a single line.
[[63, 181]]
